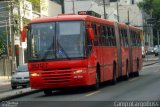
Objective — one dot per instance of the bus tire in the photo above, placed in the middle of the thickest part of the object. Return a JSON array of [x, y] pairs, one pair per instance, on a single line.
[[47, 91], [127, 71], [137, 71], [97, 77], [114, 80]]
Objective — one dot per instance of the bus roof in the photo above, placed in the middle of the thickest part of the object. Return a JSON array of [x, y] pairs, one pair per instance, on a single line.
[[71, 17]]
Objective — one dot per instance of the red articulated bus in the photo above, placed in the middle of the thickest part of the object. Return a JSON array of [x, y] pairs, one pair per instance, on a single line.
[[80, 50]]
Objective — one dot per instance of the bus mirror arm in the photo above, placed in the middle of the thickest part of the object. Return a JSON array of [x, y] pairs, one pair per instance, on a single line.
[[91, 33]]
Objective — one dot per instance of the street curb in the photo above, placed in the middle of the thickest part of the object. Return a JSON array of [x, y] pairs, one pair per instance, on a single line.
[[19, 95], [151, 63]]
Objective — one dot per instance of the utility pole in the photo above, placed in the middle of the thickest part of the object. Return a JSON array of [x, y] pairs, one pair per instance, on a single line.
[[21, 50], [158, 42], [104, 7], [73, 7], [11, 38], [117, 11], [158, 36], [62, 4], [128, 18]]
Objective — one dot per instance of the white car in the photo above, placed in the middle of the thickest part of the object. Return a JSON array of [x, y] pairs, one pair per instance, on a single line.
[[156, 50], [143, 52], [20, 77]]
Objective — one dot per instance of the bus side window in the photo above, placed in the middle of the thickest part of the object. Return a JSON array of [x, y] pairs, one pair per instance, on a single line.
[[108, 36], [114, 37], [139, 39], [135, 38], [121, 36], [99, 28], [132, 38], [89, 45], [126, 37], [96, 35], [103, 36]]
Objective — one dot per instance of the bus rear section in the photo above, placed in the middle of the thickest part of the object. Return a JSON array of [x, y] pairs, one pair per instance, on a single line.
[[136, 51]]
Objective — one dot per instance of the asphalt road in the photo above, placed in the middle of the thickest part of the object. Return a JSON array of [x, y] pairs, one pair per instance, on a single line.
[[146, 87]]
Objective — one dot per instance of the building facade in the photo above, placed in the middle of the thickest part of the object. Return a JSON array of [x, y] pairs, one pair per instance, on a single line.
[[129, 13], [74, 6], [12, 22]]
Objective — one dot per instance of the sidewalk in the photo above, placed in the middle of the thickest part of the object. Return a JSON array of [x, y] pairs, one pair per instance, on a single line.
[[5, 80], [16, 93], [150, 61]]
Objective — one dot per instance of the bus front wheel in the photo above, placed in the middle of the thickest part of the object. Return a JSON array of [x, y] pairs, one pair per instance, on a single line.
[[97, 80]]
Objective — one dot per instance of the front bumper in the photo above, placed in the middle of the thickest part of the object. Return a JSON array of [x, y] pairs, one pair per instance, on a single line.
[[61, 80], [19, 83]]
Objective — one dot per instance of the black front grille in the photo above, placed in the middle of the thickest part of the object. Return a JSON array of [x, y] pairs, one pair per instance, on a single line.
[[56, 76], [18, 78]]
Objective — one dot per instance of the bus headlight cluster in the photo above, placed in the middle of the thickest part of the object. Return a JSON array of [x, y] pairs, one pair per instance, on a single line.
[[79, 71], [35, 74]]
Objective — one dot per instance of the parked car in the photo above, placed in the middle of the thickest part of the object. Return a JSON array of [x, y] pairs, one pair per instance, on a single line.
[[150, 50], [20, 77], [143, 52], [156, 50]]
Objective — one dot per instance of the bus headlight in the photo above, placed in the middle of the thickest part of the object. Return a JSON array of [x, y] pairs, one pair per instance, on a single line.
[[79, 71], [35, 74]]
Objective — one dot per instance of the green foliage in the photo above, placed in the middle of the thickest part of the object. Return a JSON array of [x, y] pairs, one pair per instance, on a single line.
[[151, 7], [156, 8], [35, 5], [25, 21], [2, 43]]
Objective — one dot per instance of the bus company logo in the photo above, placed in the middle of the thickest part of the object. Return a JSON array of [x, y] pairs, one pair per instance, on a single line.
[[9, 104]]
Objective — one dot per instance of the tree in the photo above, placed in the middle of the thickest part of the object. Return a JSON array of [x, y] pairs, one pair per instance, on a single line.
[[2, 44], [151, 7]]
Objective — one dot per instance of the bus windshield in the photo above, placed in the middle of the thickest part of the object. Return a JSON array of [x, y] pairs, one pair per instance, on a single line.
[[56, 40]]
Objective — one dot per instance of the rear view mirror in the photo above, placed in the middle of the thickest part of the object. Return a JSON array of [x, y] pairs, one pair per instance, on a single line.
[[91, 33], [23, 33]]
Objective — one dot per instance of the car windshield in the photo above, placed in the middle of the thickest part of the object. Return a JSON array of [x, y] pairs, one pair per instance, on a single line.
[[22, 68], [150, 48], [56, 40], [156, 46]]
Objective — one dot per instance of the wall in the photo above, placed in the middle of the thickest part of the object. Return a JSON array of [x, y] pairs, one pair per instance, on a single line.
[[50, 8], [135, 15], [90, 5], [54, 9]]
